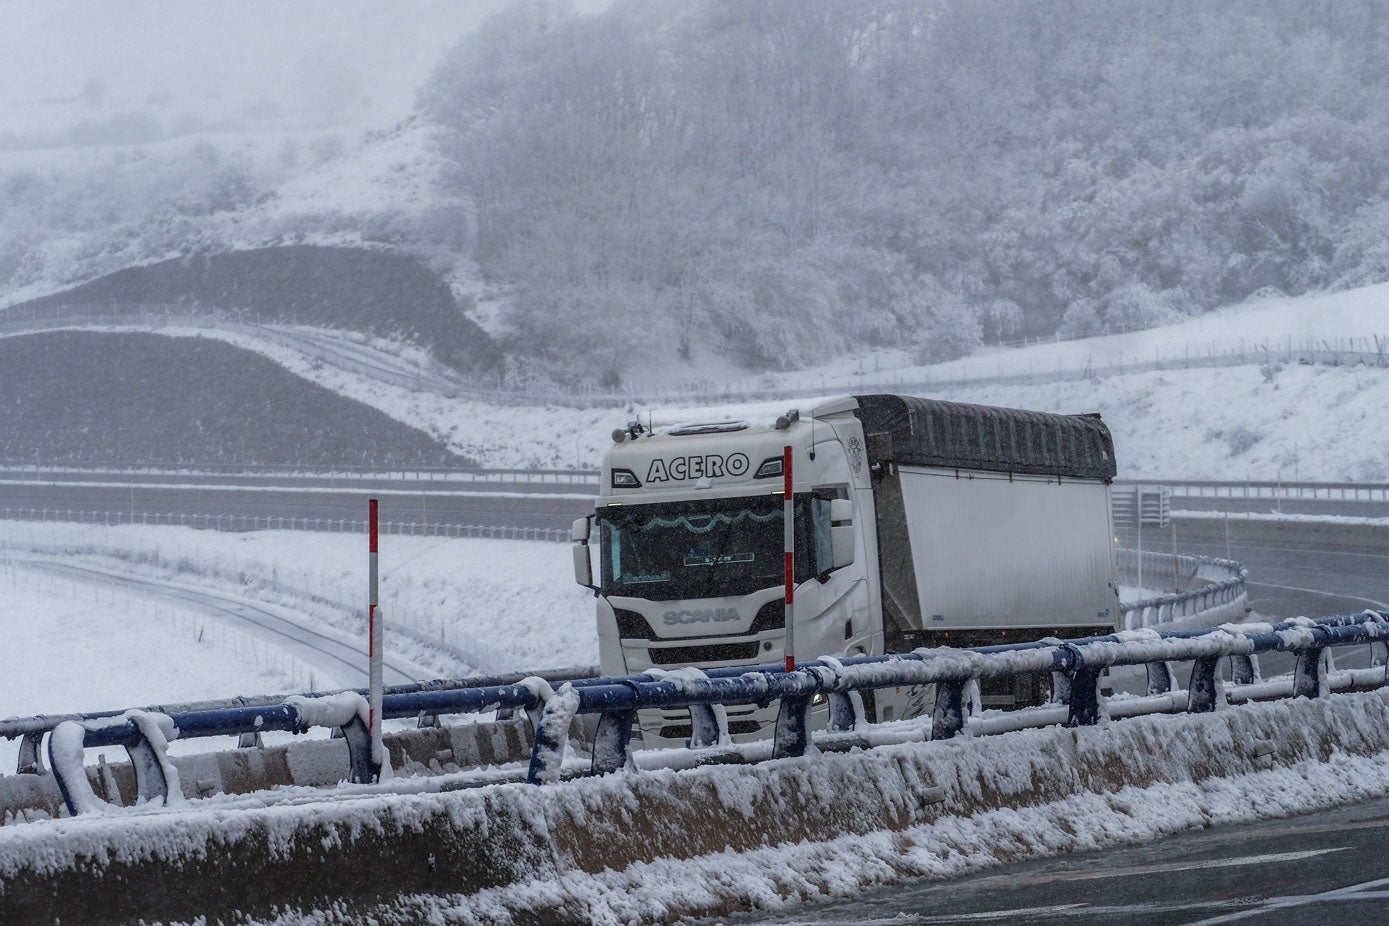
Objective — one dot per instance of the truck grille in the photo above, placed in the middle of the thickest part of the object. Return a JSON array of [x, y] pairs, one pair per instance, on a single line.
[[714, 652], [683, 731]]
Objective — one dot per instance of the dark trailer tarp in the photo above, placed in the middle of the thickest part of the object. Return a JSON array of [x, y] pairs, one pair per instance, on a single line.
[[929, 432]]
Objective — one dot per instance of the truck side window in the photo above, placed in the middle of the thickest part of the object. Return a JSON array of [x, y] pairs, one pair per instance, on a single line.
[[821, 544], [820, 533]]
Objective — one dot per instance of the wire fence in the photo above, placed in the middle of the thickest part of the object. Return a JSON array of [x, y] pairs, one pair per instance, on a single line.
[[346, 353]]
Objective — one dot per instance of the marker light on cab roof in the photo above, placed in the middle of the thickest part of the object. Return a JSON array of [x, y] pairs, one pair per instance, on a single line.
[[770, 467]]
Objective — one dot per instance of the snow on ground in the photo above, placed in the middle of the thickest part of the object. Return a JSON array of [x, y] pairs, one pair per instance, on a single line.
[[392, 172], [1300, 423], [76, 647], [507, 605], [1347, 320], [1028, 795], [1261, 422]]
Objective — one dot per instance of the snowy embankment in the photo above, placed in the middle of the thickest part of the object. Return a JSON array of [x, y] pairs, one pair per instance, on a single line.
[[1225, 423], [1256, 421], [492, 606], [510, 604], [651, 846]]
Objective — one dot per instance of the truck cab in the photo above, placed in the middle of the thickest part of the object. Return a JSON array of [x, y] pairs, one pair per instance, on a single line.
[[688, 529]]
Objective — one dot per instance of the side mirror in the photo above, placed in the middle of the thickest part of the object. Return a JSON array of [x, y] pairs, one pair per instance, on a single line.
[[583, 566], [580, 529], [842, 532], [583, 560]]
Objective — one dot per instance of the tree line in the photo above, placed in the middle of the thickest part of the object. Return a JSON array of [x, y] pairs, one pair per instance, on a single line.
[[779, 181]]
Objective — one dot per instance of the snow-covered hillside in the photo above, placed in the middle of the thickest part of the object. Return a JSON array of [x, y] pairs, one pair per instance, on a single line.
[[1254, 421]]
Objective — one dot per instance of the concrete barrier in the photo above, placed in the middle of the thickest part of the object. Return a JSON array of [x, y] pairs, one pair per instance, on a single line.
[[586, 850], [305, 763]]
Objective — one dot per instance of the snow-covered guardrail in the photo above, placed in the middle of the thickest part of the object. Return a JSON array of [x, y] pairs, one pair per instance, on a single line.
[[31, 730], [1206, 587], [1076, 667]]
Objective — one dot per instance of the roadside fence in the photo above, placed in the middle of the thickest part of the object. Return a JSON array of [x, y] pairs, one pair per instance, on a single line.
[[79, 472], [1252, 490], [1076, 667], [235, 522], [342, 351]]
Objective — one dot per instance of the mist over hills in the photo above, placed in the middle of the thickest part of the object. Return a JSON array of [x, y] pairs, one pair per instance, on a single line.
[[769, 184], [785, 180], [87, 397]]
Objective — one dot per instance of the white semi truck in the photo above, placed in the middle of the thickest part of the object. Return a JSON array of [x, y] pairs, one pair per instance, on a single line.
[[917, 523]]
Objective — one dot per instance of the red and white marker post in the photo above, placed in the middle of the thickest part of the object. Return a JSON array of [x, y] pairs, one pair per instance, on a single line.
[[374, 649], [788, 534]]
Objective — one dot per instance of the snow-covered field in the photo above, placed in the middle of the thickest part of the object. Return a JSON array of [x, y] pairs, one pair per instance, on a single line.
[[1342, 320], [83, 646], [80, 647]]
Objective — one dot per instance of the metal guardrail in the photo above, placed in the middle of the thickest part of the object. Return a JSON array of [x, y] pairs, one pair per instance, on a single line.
[[1181, 488], [38, 469], [1222, 583], [30, 730], [242, 522], [1076, 667], [1271, 489]]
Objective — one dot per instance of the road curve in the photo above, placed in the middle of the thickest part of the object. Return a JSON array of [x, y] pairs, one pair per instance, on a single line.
[[341, 660]]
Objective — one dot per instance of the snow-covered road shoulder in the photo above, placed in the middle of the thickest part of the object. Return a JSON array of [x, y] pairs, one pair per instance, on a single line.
[[650, 846]]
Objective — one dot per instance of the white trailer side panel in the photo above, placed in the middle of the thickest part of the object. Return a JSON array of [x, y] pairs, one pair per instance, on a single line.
[[990, 552]]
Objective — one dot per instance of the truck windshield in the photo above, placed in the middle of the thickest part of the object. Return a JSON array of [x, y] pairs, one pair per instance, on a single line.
[[708, 548]]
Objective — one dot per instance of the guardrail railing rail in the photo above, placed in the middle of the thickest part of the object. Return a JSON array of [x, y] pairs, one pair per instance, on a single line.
[[1076, 667]]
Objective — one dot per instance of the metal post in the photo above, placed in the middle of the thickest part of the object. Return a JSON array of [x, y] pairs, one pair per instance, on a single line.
[[788, 533], [1139, 495], [374, 652]]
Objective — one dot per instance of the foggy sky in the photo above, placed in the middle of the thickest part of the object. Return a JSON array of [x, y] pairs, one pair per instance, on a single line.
[[343, 62]]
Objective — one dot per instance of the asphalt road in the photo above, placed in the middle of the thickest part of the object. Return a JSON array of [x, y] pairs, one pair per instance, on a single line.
[[1307, 871]]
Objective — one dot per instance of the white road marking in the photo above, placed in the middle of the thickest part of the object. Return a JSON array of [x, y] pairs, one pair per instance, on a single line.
[[1354, 892], [995, 915], [1099, 874], [1315, 591]]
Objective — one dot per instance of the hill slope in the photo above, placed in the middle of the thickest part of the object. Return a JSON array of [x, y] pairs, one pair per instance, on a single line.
[[357, 289], [73, 396]]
